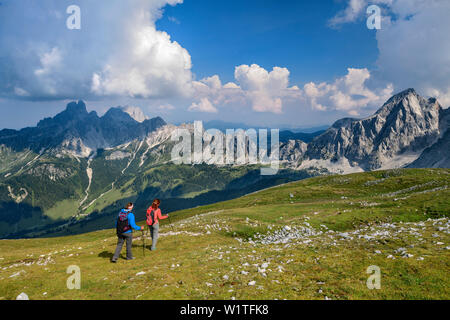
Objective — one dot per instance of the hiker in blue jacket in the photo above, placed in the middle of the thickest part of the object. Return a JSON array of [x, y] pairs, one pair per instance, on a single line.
[[125, 224]]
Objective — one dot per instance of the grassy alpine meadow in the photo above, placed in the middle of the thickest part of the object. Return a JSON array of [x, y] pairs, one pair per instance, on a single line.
[[329, 237]]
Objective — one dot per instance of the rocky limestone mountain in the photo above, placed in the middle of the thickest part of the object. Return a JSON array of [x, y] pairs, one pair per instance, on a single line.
[[394, 136], [292, 152], [135, 112], [437, 155], [77, 131]]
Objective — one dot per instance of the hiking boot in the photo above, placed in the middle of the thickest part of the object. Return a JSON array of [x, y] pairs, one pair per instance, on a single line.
[[113, 261], [131, 258]]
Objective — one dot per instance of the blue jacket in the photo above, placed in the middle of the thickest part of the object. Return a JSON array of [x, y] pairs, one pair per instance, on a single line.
[[131, 221]]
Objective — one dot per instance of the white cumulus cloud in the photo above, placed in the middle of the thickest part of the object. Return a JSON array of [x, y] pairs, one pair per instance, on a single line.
[[147, 64], [256, 87], [349, 93], [413, 43], [203, 106], [264, 89], [117, 52]]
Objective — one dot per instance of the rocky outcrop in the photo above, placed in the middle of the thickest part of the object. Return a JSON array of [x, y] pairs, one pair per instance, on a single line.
[[292, 152], [135, 113], [438, 155], [50, 171], [394, 136]]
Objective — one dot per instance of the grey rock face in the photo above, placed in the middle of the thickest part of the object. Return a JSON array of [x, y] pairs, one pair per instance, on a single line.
[[292, 152], [49, 170], [136, 113], [405, 125], [437, 155]]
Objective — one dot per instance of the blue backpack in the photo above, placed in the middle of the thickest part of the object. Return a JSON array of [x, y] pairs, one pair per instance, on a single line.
[[122, 223]]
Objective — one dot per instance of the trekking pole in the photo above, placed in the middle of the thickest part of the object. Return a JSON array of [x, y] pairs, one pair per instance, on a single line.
[[143, 239], [170, 220]]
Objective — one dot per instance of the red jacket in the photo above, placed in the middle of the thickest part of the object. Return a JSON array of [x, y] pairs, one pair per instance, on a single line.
[[157, 214]]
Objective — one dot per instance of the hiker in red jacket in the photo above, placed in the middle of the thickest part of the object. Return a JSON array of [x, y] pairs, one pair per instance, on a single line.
[[153, 217]]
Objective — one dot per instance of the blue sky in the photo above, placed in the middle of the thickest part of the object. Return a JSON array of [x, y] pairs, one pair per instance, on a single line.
[[272, 63], [294, 34]]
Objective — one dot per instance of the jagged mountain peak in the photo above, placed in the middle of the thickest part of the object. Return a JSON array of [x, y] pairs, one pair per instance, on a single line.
[[117, 114], [343, 122], [75, 129], [76, 107], [75, 111], [394, 136], [408, 100], [135, 112], [402, 95]]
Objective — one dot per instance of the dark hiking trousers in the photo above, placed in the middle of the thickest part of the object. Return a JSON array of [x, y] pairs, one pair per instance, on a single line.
[[128, 237]]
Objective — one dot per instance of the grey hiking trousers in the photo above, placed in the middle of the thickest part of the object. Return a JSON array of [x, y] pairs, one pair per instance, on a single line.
[[154, 231], [128, 237]]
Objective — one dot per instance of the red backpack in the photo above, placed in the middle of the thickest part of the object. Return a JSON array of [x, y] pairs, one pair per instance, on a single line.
[[151, 216]]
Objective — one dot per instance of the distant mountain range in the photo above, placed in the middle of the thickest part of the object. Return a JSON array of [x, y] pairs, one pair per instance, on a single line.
[[71, 173], [79, 131], [408, 130], [223, 126]]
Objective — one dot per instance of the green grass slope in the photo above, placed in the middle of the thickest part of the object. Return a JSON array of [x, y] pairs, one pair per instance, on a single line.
[[312, 239]]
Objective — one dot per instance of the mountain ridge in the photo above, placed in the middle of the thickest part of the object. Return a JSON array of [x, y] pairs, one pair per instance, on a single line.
[[72, 172], [77, 129], [406, 123]]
